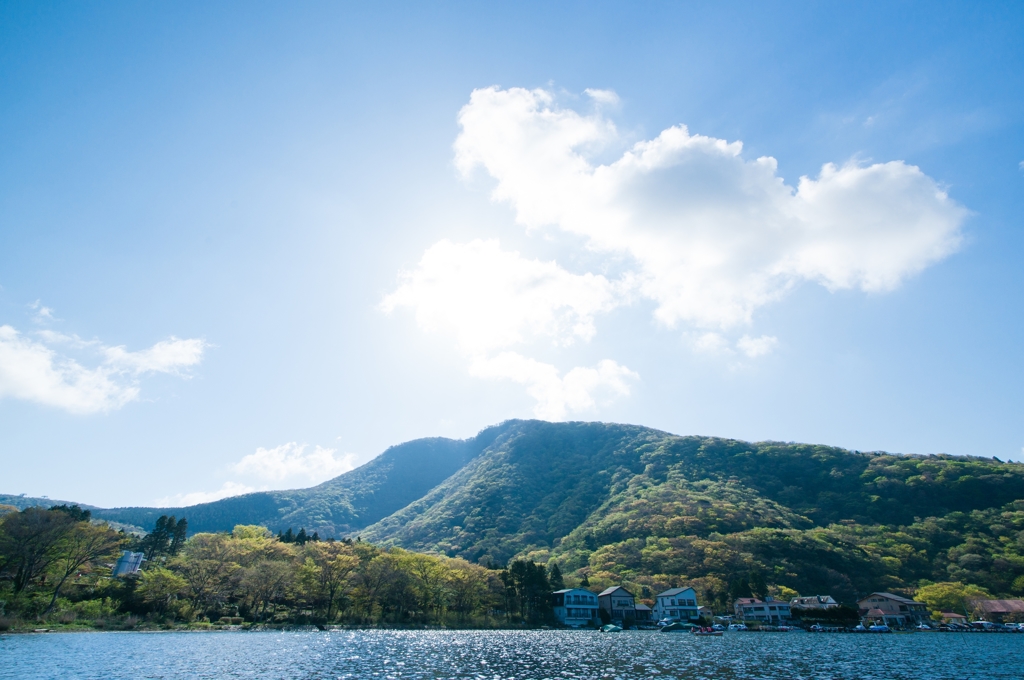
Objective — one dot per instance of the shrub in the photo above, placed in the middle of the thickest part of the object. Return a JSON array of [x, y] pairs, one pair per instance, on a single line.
[[95, 609], [185, 612]]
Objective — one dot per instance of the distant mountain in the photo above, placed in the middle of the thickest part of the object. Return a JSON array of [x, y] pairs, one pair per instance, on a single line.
[[21, 501], [342, 505], [623, 503]]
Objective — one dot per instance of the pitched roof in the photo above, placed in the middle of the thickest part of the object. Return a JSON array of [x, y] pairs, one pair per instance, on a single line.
[[673, 591], [609, 591], [642, 607], [898, 598], [998, 606]]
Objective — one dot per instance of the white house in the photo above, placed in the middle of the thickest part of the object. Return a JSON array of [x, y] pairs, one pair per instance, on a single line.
[[677, 603], [769, 610], [574, 607]]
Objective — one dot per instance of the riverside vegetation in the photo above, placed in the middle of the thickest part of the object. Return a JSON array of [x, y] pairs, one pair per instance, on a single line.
[[57, 565], [620, 504]]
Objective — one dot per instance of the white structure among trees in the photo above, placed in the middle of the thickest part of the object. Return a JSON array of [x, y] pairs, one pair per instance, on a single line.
[[677, 603], [574, 607]]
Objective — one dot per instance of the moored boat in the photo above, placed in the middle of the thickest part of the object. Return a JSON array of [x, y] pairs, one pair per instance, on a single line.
[[707, 632]]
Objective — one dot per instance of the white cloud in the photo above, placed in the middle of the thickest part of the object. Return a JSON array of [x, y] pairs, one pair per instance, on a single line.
[[713, 236], [33, 371], [42, 314], [710, 238], [291, 463], [756, 347], [227, 490], [491, 299], [166, 356], [287, 466], [711, 343], [717, 344], [580, 390], [602, 96]]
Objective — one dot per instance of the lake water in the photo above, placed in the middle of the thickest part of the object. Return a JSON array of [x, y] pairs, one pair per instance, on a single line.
[[508, 654]]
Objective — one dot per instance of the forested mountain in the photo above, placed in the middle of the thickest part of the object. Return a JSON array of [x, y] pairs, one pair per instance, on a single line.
[[628, 504], [619, 502]]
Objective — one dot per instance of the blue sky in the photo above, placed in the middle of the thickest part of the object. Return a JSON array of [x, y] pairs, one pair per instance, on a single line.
[[249, 246]]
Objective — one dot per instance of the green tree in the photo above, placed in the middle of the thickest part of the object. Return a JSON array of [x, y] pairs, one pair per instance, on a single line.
[[740, 587], [555, 579], [75, 512], [264, 583], [178, 536], [206, 563], [166, 538], [326, 575], [527, 590], [76, 552], [950, 596], [159, 587], [757, 584], [28, 543]]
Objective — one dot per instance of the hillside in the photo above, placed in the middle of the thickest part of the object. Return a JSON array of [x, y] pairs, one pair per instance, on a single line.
[[538, 482], [620, 502], [623, 503]]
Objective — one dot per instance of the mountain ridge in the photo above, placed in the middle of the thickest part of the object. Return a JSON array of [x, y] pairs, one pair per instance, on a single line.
[[629, 504], [346, 503]]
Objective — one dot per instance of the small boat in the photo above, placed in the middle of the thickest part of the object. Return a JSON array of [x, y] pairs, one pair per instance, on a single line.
[[678, 627], [610, 628], [707, 632], [879, 629]]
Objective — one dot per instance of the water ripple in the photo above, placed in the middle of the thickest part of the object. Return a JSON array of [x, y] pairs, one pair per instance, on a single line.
[[509, 655]]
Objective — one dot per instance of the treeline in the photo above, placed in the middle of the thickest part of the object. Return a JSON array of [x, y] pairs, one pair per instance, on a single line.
[[45, 554], [983, 549], [56, 565]]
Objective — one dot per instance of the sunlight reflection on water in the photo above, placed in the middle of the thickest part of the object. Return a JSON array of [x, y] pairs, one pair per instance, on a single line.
[[508, 655]]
